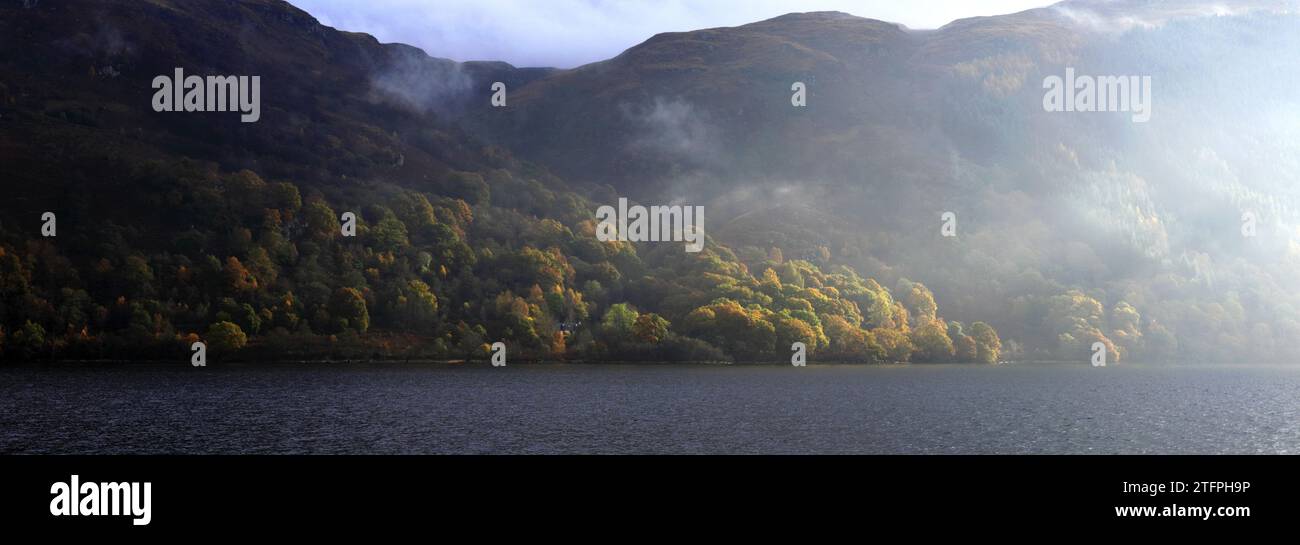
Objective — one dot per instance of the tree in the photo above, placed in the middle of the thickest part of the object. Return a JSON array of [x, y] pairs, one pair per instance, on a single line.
[[470, 187], [1073, 312], [1161, 343], [964, 347], [898, 348], [285, 197], [225, 337], [741, 332], [242, 315], [619, 323], [414, 306], [29, 340], [415, 212], [918, 300], [790, 330], [967, 350], [932, 342], [1125, 323], [790, 274], [136, 276], [955, 330], [877, 306], [987, 344], [515, 319], [238, 277], [770, 283], [322, 222], [849, 342], [558, 344], [650, 328], [348, 308], [389, 233]]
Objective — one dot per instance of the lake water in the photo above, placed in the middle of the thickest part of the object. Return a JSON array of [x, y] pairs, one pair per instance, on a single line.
[[436, 408]]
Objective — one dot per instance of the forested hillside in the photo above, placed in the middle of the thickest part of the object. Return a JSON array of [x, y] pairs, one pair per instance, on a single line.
[[173, 228], [1172, 239]]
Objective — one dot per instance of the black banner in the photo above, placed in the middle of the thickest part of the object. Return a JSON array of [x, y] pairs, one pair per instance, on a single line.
[[313, 494]]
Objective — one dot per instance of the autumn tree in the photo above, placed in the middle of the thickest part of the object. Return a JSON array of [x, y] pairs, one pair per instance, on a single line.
[[852, 343], [919, 302], [932, 342], [650, 328], [741, 332], [897, 345], [967, 350], [790, 330], [987, 344]]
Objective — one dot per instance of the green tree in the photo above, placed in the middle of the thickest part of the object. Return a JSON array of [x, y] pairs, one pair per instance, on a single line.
[[322, 222], [285, 197], [225, 337], [470, 187], [136, 276], [389, 233], [28, 341], [348, 308], [414, 306], [619, 322]]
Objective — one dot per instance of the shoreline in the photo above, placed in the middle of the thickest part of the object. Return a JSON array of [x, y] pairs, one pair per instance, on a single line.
[[426, 361]]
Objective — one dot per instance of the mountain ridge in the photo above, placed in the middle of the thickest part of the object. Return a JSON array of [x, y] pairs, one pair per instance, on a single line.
[[1072, 229], [164, 228], [902, 125]]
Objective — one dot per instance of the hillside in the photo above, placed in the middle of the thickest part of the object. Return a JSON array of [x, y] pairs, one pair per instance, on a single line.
[[1070, 225], [477, 224], [178, 227]]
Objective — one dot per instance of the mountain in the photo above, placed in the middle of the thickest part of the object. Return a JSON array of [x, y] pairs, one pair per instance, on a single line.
[[1092, 211], [131, 230], [1169, 239]]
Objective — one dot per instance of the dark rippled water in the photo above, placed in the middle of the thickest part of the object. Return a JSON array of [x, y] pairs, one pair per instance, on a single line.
[[649, 409]]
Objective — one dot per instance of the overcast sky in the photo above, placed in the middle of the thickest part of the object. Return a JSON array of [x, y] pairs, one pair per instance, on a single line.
[[567, 33]]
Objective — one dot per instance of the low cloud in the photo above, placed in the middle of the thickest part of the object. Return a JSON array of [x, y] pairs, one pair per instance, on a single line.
[[417, 82]]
